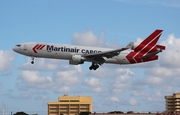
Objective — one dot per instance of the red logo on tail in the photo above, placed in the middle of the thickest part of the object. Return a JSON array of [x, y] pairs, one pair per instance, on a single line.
[[38, 47], [146, 47]]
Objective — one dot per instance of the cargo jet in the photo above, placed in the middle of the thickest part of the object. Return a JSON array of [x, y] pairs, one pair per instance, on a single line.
[[145, 51]]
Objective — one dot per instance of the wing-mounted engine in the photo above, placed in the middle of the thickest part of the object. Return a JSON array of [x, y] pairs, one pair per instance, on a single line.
[[76, 59]]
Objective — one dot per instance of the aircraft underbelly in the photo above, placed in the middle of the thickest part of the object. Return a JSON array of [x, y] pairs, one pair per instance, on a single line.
[[117, 60], [58, 55]]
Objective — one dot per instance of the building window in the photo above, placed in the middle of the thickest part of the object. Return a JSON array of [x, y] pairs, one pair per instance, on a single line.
[[64, 100]]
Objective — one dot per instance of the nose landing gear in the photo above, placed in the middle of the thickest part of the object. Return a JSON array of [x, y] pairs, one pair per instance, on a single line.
[[32, 62]]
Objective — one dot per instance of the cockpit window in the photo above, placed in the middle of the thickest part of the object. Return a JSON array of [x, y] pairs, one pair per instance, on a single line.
[[18, 45]]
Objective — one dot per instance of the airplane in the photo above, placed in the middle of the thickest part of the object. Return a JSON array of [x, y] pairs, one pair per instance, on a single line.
[[145, 51]]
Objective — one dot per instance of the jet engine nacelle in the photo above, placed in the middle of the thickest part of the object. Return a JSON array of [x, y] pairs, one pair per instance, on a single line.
[[76, 59], [132, 45]]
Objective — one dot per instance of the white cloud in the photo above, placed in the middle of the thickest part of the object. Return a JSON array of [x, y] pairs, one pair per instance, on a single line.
[[133, 101], [102, 72], [110, 71], [60, 81], [154, 81], [94, 84], [137, 93], [64, 89], [32, 79], [88, 38], [114, 99], [166, 71], [122, 81], [163, 71], [156, 97], [6, 58], [42, 64], [11, 94], [63, 74], [25, 95], [151, 96], [41, 97], [170, 57], [97, 89], [66, 77]]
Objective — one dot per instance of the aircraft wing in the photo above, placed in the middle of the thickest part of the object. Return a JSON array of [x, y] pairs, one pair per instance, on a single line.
[[107, 54], [98, 57]]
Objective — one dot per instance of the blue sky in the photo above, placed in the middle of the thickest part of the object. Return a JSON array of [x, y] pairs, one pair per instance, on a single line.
[[103, 23]]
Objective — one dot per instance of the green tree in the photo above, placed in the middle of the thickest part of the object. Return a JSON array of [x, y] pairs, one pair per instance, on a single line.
[[20, 113]]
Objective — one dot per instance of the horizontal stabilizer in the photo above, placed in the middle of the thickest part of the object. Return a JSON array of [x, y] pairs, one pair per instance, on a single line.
[[151, 54]]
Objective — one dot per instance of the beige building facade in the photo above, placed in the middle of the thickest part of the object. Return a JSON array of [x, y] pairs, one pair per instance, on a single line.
[[173, 103], [70, 105]]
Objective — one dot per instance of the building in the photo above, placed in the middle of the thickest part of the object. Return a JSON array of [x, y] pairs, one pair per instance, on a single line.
[[173, 103], [70, 105]]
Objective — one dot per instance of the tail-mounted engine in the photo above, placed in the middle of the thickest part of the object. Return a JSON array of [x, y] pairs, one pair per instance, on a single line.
[[133, 46]]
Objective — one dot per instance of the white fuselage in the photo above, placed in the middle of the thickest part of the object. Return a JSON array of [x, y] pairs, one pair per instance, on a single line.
[[60, 51], [145, 51]]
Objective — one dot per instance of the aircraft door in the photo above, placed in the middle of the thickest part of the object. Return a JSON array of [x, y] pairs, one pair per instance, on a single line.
[[25, 48]]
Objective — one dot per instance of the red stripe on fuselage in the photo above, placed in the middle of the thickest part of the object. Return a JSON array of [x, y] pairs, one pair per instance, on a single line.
[[42, 47], [34, 48], [38, 47]]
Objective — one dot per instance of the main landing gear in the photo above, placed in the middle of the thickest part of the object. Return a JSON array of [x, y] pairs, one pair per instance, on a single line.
[[94, 66], [32, 62]]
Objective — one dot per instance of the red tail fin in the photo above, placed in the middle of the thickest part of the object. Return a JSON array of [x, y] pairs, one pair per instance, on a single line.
[[150, 41], [146, 46]]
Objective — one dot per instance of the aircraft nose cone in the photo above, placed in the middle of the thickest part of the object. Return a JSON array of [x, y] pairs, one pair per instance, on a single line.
[[15, 49]]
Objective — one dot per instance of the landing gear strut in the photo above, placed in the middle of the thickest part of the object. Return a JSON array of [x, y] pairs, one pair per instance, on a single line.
[[94, 66], [32, 62]]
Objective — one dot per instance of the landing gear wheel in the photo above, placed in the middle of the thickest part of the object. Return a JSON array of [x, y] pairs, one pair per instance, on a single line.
[[32, 62], [94, 66], [90, 68]]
